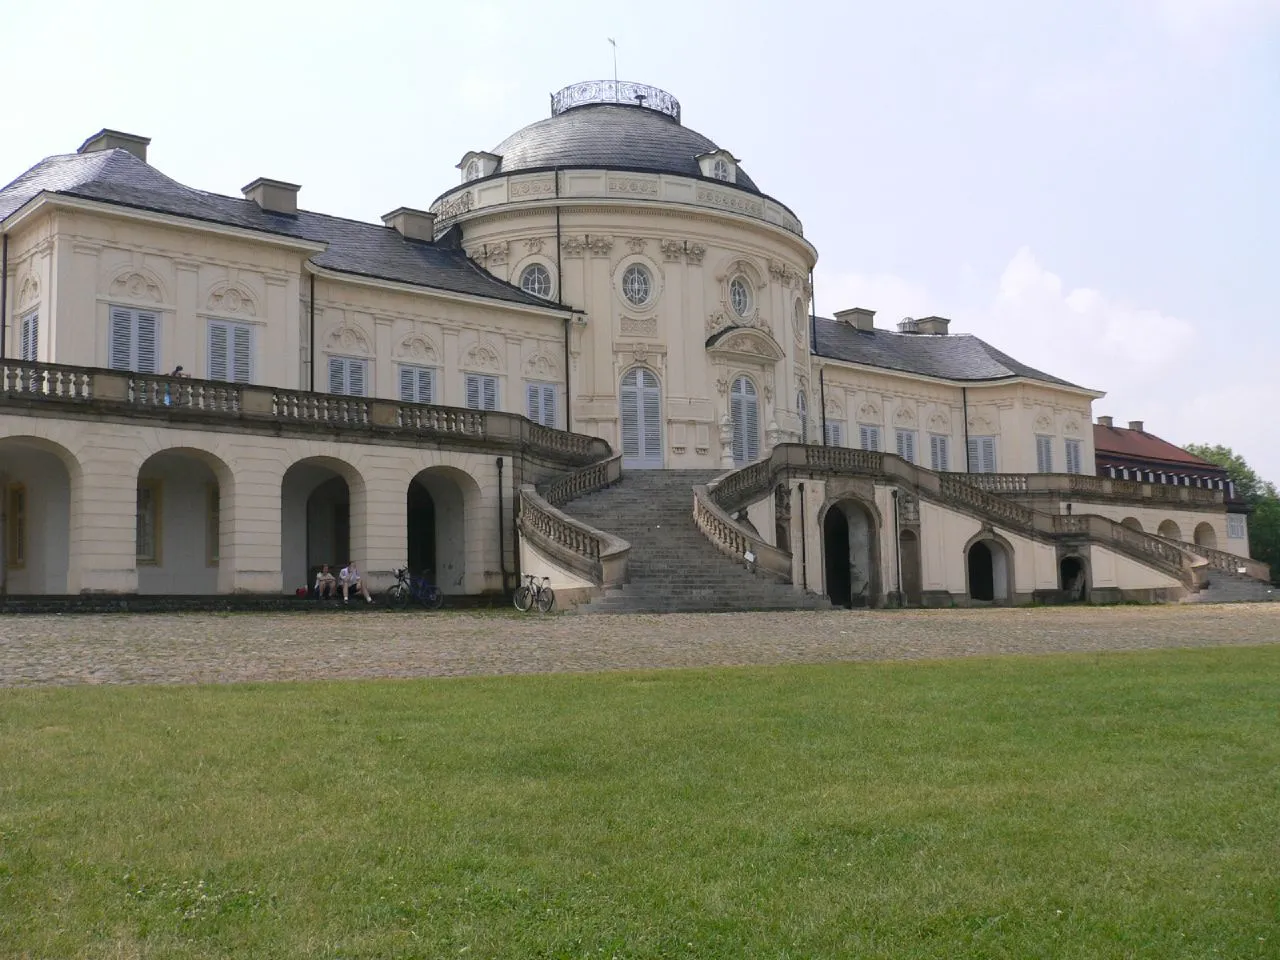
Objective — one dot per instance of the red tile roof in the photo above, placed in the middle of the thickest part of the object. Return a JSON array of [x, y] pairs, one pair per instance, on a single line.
[[1140, 445]]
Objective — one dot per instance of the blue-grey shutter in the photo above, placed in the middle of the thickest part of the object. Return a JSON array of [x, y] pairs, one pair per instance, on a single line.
[[337, 375], [987, 447], [490, 387], [753, 424], [120, 344], [652, 414], [426, 385], [869, 436], [30, 346], [147, 342], [473, 391], [408, 385], [1044, 454], [906, 443], [533, 402], [975, 462], [629, 398], [549, 405], [938, 453], [355, 377], [218, 351], [241, 353]]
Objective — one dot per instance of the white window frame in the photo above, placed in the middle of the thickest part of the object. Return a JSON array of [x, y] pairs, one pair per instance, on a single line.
[[869, 436], [542, 402], [740, 284], [720, 170], [1075, 456], [483, 391], [136, 318], [975, 454], [550, 282], [29, 336], [905, 444], [347, 364], [1237, 528], [232, 329], [834, 436], [1044, 453], [939, 452], [629, 287], [410, 382]]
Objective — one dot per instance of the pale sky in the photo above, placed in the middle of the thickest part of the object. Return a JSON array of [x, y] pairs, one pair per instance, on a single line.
[[1093, 186]]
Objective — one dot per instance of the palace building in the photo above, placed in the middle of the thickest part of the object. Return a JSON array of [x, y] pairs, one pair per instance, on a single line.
[[208, 394]]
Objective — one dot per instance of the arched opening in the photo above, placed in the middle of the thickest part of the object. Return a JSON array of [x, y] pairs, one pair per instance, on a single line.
[[990, 572], [1132, 523], [1073, 579], [1170, 530], [909, 552], [1206, 536], [849, 554], [782, 517], [436, 526], [640, 403], [36, 482], [744, 413], [178, 530], [316, 501]]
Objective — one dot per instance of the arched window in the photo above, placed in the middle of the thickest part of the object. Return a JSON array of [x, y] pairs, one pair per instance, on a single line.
[[740, 296], [802, 409], [637, 285], [536, 279], [473, 170], [744, 411], [720, 169]]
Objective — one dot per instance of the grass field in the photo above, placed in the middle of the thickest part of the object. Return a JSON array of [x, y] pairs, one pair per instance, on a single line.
[[1123, 805]]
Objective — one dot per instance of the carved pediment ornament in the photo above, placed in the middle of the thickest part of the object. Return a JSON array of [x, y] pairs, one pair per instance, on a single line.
[[835, 409], [869, 412], [981, 425], [747, 343], [672, 250], [418, 348], [905, 415], [572, 247], [600, 246], [542, 366], [482, 356], [1044, 423], [637, 244], [694, 253], [137, 285], [347, 338], [29, 292], [490, 254], [939, 424], [1072, 427], [534, 245], [231, 298]]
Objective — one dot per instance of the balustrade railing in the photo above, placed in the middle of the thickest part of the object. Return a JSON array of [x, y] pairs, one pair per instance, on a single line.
[[998, 482], [595, 555], [182, 393], [844, 459], [326, 408], [1088, 485], [736, 541], [429, 419], [957, 491], [1221, 560], [42, 380], [580, 482]]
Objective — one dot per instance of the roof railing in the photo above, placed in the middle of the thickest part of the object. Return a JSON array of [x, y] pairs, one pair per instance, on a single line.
[[624, 92]]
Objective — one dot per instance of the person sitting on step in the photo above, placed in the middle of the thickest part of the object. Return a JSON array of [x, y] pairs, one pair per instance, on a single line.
[[326, 584], [350, 577]]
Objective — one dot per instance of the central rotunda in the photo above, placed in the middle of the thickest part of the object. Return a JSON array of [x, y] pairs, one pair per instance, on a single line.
[[692, 287]]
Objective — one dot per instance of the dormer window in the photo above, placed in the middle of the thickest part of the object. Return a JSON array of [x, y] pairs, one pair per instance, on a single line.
[[477, 164], [719, 165], [720, 169], [473, 170]]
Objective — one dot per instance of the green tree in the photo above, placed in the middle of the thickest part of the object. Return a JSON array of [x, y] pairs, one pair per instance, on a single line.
[[1262, 497]]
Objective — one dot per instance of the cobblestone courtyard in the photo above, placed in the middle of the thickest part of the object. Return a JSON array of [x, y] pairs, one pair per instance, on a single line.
[[229, 648]]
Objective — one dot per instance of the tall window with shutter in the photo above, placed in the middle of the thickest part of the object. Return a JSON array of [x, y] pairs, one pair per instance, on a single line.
[[29, 337], [802, 409], [982, 454], [230, 351], [348, 376], [834, 435], [417, 384], [540, 403], [134, 340], [869, 436], [906, 442], [1074, 464], [1044, 454], [744, 412], [939, 452], [640, 410], [482, 392]]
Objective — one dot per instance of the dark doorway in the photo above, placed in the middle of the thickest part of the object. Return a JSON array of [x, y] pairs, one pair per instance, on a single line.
[[782, 517], [1073, 581], [909, 545], [835, 539], [982, 584], [421, 530]]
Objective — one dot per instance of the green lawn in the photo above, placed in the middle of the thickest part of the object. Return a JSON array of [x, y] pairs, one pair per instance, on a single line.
[[1066, 806]]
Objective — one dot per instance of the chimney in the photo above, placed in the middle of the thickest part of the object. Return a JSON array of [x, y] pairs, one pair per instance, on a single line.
[[273, 196], [1105, 422], [412, 224], [860, 318], [115, 140], [935, 326], [1136, 425]]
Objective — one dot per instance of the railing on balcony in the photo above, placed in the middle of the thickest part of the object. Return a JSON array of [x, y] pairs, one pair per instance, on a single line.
[[24, 383], [1085, 485]]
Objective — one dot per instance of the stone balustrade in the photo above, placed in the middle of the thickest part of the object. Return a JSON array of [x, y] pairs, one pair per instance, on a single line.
[[584, 480], [593, 554], [89, 390], [1068, 485], [736, 541], [1221, 560]]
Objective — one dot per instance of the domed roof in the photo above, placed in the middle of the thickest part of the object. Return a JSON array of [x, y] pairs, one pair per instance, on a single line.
[[613, 135]]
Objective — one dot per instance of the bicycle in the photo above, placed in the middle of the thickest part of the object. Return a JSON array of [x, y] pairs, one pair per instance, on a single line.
[[408, 587], [531, 593]]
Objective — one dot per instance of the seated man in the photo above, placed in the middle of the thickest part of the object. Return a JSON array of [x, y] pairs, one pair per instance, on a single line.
[[326, 584], [350, 577]]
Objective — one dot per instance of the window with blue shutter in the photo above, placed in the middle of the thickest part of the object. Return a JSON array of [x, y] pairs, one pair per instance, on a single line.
[[744, 412], [1044, 454], [230, 351], [834, 436], [133, 340], [1074, 464], [482, 392], [906, 444], [417, 384], [540, 403], [348, 376], [869, 436], [939, 452], [982, 454], [29, 347], [802, 410]]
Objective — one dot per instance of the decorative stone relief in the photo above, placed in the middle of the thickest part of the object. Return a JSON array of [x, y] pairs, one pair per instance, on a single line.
[[909, 508], [1044, 423], [834, 408], [731, 201], [482, 355], [768, 387], [347, 338], [418, 348], [981, 425], [869, 412], [1072, 427], [939, 423], [542, 366], [671, 249], [639, 326], [533, 245], [749, 343], [637, 244], [695, 253], [231, 298], [29, 292], [905, 416], [490, 254], [722, 386], [572, 247], [600, 246], [785, 274], [632, 187], [532, 188], [137, 286]]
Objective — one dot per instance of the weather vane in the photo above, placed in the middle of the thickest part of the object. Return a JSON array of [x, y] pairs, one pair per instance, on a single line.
[[614, 43]]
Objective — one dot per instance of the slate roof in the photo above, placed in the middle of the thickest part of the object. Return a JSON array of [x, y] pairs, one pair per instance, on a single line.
[[366, 249], [611, 136], [961, 357], [1119, 442]]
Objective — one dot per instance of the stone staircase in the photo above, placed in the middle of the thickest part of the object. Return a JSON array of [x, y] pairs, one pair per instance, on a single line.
[[1227, 587], [673, 567]]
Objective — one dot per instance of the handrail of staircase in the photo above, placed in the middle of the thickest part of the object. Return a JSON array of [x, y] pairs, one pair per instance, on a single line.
[[560, 489], [1087, 485], [733, 539], [1221, 560], [593, 554]]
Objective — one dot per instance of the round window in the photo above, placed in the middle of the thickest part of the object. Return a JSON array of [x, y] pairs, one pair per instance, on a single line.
[[740, 296], [637, 285], [536, 280]]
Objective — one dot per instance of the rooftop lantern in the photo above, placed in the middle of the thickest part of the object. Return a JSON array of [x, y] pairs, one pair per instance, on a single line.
[[623, 92]]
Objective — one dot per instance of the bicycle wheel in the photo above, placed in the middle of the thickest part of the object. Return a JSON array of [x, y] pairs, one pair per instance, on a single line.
[[546, 600], [396, 593], [432, 598], [523, 599]]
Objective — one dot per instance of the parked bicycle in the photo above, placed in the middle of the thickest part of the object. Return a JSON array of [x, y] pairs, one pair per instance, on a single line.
[[531, 593], [410, 588]]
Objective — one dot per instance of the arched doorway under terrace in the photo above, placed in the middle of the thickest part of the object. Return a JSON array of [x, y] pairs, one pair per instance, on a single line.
[[1170, 530], [1073, 579], [850, 554], [321, 499], [1206, 536], [909, 558], [438, 501], [989, 568], [178, 529], [37, 481], [1132, 523]]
